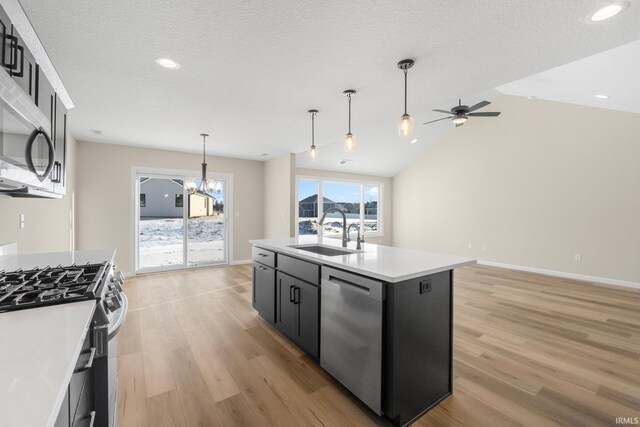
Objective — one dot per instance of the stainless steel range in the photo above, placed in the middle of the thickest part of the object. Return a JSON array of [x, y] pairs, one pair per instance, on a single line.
[[24, 289]]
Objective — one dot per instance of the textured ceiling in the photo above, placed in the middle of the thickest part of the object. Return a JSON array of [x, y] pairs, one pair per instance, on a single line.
[[251, 70], [615, 73]]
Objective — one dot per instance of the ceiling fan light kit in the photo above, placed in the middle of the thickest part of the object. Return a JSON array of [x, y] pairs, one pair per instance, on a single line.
[[461, 113]]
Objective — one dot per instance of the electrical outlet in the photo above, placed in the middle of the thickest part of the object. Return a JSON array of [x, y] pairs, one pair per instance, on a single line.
[[468, 245], [425, 286], [21, 220], [577, 257]]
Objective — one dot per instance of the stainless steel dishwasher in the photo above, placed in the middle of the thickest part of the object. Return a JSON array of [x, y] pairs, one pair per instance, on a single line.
[[351, 316]]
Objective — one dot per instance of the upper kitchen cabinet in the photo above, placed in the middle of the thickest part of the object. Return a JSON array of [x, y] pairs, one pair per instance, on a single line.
[[23, 64], [34, 105]]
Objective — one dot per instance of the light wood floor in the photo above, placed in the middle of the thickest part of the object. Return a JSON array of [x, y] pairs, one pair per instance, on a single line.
[[528, 350]]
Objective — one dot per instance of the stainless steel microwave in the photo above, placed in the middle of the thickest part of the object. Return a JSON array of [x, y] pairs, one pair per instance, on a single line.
[[27, 153]]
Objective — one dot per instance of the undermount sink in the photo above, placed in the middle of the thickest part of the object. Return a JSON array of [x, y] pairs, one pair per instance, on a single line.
[[324, 250]]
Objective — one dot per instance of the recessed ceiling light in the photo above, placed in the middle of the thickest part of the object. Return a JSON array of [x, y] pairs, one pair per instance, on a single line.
[[609, 11], [602, 96], [167, 63], [414, 140]]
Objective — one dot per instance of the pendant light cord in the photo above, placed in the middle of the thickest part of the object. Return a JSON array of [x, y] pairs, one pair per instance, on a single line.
[[313, 127], [349, 96], [204, 141], [405, 91]]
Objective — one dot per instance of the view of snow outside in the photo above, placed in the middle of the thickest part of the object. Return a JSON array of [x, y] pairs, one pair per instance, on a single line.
[[345, 196], [161, 240]]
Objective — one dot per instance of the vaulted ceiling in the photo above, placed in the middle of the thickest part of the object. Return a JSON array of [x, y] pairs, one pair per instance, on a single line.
[[250, 70]]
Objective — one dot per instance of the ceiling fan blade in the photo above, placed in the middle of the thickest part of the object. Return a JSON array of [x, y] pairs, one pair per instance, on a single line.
[[478, 106], [443, 111], [487, 114], [433, 121]]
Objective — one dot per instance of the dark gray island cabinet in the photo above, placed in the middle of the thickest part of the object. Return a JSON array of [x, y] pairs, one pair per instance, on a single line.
[[375, 322]]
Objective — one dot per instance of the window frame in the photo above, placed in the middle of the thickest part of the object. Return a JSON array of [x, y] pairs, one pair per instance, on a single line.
[[321, 180]]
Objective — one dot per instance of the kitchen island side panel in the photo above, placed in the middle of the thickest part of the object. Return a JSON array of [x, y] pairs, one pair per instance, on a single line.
[[418, 345]]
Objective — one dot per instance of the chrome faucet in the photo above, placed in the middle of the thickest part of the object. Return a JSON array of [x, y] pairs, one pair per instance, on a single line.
[[358, 240], [344, 224]]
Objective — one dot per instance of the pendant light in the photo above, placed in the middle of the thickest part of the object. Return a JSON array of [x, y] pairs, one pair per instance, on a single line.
[[349, 139], [205, 185], [313, 150], [405, 124]]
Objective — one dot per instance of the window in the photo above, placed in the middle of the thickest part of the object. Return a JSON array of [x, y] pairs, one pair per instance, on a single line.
[[143, 200], [361, 202], [179, 201]]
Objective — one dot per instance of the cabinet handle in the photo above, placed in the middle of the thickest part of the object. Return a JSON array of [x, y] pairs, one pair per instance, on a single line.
[[19, 73], [262, 255], [89, 364], [292, 297], [296, 295], [92, 418], [57, 173], [262, 268], [13, 53]]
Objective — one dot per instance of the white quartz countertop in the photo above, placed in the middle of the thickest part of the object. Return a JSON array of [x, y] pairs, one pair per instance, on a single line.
[[39, 349], [44, 259], [386, 263]]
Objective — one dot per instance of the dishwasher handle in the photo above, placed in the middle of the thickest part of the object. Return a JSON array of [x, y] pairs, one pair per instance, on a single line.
[[365, 285]]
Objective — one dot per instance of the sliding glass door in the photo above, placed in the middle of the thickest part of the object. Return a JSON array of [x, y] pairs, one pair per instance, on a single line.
[[176, 228], [206, 226]]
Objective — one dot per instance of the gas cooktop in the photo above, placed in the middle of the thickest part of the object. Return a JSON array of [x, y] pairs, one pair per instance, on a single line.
[[50, 285]]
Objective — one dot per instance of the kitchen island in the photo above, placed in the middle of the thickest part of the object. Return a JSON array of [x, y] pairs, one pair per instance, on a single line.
[[379, 320]]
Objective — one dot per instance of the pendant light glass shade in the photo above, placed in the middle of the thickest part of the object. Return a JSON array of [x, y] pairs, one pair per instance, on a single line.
[[349, 139], [349, 143], [313, 150], [190, 184], [313, 153], [405, 126]]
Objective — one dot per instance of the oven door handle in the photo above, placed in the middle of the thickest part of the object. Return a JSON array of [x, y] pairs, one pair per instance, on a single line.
[[28, 155], [113, 329]]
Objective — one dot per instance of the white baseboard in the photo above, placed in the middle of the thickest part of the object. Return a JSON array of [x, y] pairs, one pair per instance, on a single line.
[[583, 277], [241, 261]]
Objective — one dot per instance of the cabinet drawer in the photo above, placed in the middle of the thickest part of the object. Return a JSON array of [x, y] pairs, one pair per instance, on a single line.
[[264, 256], [304, 270], [264, 292]]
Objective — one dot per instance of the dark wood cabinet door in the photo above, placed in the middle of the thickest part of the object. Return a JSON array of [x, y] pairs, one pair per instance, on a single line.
[[307, 329], [286, 309], [264, 291]]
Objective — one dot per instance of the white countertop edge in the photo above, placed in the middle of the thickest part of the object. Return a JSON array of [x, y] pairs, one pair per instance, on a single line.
[[325, 260], [69, 373]]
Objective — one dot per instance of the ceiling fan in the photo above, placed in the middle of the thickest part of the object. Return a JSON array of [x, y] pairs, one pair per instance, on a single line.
[[461, 113]]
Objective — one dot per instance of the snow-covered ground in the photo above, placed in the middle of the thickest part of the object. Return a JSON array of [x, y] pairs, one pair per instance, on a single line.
[[161, 241], [310, 225]]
